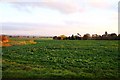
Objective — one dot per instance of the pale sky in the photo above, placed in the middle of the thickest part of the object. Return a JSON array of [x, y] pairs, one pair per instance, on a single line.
[[57, 17]]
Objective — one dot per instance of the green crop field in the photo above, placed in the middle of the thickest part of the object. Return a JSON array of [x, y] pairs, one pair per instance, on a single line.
[[82, 59]]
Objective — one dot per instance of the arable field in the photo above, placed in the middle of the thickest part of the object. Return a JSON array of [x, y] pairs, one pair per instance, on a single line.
[[79, 59]]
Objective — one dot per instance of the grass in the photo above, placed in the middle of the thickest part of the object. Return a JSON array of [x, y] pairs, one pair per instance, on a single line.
[[83, 59]]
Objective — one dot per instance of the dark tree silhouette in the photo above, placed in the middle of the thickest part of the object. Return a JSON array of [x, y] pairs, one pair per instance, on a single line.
[[86, 36]]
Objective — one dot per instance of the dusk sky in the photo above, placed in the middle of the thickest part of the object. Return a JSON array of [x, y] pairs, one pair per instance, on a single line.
[[56, 17]]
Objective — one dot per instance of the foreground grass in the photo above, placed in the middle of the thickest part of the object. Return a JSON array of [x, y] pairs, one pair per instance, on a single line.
[[85, 59]]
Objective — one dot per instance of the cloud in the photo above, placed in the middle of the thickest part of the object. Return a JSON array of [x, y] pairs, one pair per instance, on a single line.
[[67, 6], [50, 16], [104, 4], [64, 6], [17, 26], [99, 3], [27, 26], [32, 29]]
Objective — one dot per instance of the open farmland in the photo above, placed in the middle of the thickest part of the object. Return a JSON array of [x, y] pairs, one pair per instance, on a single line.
[[81, 59]]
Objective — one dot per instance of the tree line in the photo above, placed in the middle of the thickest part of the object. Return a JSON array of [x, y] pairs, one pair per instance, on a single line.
[[106, 36]]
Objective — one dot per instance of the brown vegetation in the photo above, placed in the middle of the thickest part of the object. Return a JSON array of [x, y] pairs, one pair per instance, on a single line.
[[5, 41]]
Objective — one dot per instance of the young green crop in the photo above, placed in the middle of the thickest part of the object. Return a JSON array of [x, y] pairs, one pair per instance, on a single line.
[[62, 59]]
